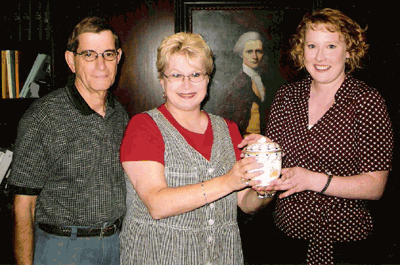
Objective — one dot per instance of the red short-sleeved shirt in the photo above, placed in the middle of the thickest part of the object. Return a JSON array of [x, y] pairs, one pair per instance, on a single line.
[[143, 140]]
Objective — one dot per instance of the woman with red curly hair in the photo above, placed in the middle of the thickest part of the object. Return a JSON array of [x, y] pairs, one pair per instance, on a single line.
[[337, 138]]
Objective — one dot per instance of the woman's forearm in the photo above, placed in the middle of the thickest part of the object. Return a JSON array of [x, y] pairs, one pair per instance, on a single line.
[[365, 186], [163, 201], [249, 202], [171, 201]]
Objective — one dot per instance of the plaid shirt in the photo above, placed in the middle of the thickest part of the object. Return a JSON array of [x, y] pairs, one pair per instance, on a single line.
[[68, 155]]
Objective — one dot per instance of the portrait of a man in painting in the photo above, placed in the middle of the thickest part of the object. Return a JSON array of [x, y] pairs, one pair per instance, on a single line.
[[251, 92]]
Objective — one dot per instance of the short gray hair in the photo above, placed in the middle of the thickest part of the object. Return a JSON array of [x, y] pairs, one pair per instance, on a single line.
[[244, 38]]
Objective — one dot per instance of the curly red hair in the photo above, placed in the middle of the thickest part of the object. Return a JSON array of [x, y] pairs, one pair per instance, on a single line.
[[333, 21]]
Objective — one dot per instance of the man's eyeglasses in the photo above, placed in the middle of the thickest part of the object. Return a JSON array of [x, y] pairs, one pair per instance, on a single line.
[[178, 78], [90, 55]]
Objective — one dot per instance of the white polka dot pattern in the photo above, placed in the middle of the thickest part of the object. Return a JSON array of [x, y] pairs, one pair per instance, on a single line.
[[354, 136]]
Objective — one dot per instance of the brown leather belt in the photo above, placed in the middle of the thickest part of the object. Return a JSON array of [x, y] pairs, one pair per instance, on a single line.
[[81, 232]]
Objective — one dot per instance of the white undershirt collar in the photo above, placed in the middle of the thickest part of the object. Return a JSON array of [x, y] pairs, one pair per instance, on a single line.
[[256, 78]]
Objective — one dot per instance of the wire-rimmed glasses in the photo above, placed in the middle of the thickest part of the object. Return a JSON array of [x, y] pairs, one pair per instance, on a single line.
[[90, 56], [178, 78]]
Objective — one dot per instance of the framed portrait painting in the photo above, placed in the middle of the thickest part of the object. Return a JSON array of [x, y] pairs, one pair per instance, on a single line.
[[250, 43]]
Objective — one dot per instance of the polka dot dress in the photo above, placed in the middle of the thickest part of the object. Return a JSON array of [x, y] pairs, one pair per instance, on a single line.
[[354, 136]]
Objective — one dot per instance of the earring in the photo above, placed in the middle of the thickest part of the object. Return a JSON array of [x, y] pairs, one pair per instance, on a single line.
[[164, 96]]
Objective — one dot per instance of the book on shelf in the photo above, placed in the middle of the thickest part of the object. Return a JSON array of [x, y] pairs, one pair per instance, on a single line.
[[25, 31], [39, 71], [17, 84], [10, 74], [10, 57], [4, 86], [5, 163]]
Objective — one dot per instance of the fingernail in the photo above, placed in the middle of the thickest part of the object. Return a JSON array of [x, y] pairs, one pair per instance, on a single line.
[[260, 165]]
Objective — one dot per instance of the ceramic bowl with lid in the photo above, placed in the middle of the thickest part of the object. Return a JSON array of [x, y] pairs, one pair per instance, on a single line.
[[270, 154]]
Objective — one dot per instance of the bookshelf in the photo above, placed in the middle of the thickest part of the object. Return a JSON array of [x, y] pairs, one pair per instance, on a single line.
[[25, 27]]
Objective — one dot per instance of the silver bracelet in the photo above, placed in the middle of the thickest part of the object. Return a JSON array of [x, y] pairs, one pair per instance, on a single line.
[[266, 195]]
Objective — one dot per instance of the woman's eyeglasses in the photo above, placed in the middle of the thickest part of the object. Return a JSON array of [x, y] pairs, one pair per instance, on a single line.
[[178, 78]]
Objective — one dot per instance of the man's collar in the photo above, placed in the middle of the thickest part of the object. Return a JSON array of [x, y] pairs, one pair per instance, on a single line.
[[80, 103], [250, 72]]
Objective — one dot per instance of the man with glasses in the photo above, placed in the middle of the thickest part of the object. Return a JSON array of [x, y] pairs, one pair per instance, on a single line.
[[68, 184]]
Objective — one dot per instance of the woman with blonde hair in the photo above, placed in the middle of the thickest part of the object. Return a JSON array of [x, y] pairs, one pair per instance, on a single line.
[[186, 178], [337, 138]]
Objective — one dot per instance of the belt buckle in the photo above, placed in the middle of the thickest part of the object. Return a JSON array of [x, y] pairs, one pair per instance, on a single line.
[[104, 229]]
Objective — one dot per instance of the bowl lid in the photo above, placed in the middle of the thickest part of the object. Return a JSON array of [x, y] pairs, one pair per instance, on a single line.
[[263, 146]]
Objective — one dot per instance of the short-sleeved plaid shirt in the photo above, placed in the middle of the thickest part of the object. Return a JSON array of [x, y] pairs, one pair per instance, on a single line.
[[68, 155]]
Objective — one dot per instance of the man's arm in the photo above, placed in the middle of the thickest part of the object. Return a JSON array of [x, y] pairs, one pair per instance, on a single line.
[[24, 223]]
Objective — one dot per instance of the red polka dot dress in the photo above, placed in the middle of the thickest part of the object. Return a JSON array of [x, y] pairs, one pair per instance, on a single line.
[[353, 136]]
